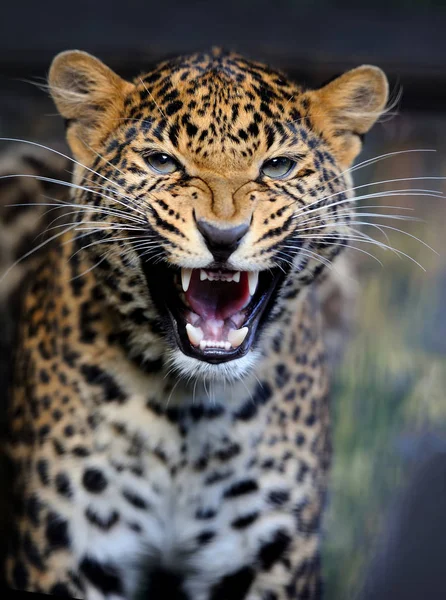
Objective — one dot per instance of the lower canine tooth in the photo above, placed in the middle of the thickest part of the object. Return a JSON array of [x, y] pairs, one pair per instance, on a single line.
[[195, 334], [186, 274], [237, 336], [253, 280]]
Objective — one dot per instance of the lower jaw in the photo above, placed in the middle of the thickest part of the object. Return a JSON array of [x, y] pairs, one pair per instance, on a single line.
[[212, 355], [175, 324]]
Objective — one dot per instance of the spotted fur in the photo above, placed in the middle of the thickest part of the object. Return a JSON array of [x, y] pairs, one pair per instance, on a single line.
[[140, 471]]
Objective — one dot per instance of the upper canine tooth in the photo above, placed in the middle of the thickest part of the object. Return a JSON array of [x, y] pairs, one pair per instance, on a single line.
[[195, 334], [186, 274], [236, 336], [203, 275], [236, 277], [253, 280]]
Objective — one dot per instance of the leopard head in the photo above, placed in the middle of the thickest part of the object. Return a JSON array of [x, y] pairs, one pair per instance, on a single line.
[[218, 186]]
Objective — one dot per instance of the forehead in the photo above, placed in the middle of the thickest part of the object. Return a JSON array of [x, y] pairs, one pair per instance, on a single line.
[[226, 74], [218, 104]]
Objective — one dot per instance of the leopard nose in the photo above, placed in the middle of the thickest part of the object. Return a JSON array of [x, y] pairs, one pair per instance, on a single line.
[[222, 242]]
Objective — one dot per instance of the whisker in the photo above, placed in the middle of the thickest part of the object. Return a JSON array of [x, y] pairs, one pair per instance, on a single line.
[[317, 256], [99, 186], [375, 159], [248, 391], [371, 161], [107, 241], [98, 226], [115, 168], [67, 184], [80, 207], [381, 216], [35, 249], [145, 245], [156, 103], [362, 251], [414, 237], [380, 194], [38, 145], [348, 246], [367, 224], [385, 246], [352, 214], [172, 391], [354, 200], [309, 253], [348, 223], [88, 270]]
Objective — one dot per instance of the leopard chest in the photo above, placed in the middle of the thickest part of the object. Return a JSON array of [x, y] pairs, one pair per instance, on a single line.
[[197, 491]]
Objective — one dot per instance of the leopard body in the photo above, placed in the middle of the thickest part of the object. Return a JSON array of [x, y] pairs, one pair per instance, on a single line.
[[141, 469]]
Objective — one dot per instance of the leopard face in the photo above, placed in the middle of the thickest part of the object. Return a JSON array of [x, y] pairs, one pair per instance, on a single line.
[[214, 189]]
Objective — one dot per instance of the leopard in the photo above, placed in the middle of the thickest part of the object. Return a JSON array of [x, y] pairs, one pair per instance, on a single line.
[[169, 404]]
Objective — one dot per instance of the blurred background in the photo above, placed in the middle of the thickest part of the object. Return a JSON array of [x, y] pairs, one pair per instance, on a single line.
[[385, 529]]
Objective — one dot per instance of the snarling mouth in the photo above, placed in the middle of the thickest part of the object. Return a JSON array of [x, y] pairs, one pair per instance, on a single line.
[[215, 314]]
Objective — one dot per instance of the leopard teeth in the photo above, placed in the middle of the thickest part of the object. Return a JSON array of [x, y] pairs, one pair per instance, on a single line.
[[195, 334], [186, 275], [253, 280], [214, 344], [228, 277], [237, 336]]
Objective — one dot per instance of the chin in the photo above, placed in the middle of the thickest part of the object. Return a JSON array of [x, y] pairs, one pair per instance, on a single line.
[[193, 369]]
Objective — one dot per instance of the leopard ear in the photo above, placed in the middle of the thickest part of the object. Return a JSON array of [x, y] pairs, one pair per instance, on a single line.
[[347, 107], [89, 95]]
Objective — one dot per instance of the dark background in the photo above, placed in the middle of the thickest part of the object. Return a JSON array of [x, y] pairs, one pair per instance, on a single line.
[[385, 530], [312, 39]]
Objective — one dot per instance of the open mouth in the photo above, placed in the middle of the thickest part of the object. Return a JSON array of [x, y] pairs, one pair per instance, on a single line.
[[215, 313]]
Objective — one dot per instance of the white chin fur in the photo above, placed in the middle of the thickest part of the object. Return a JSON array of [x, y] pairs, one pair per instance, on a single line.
[[192, 368]]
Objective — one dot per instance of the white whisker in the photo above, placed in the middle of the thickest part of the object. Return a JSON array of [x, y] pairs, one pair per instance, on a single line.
[[107, 241], [403, 192], [70, 185], [87, 270], [155, 102], [35, 249], [38, 145], [353, 200]]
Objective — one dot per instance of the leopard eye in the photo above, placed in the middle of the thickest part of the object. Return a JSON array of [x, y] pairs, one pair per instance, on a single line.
[[277, 167], [161, 163]]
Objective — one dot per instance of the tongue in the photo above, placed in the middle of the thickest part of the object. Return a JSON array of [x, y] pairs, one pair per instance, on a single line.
[[217, 300]]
